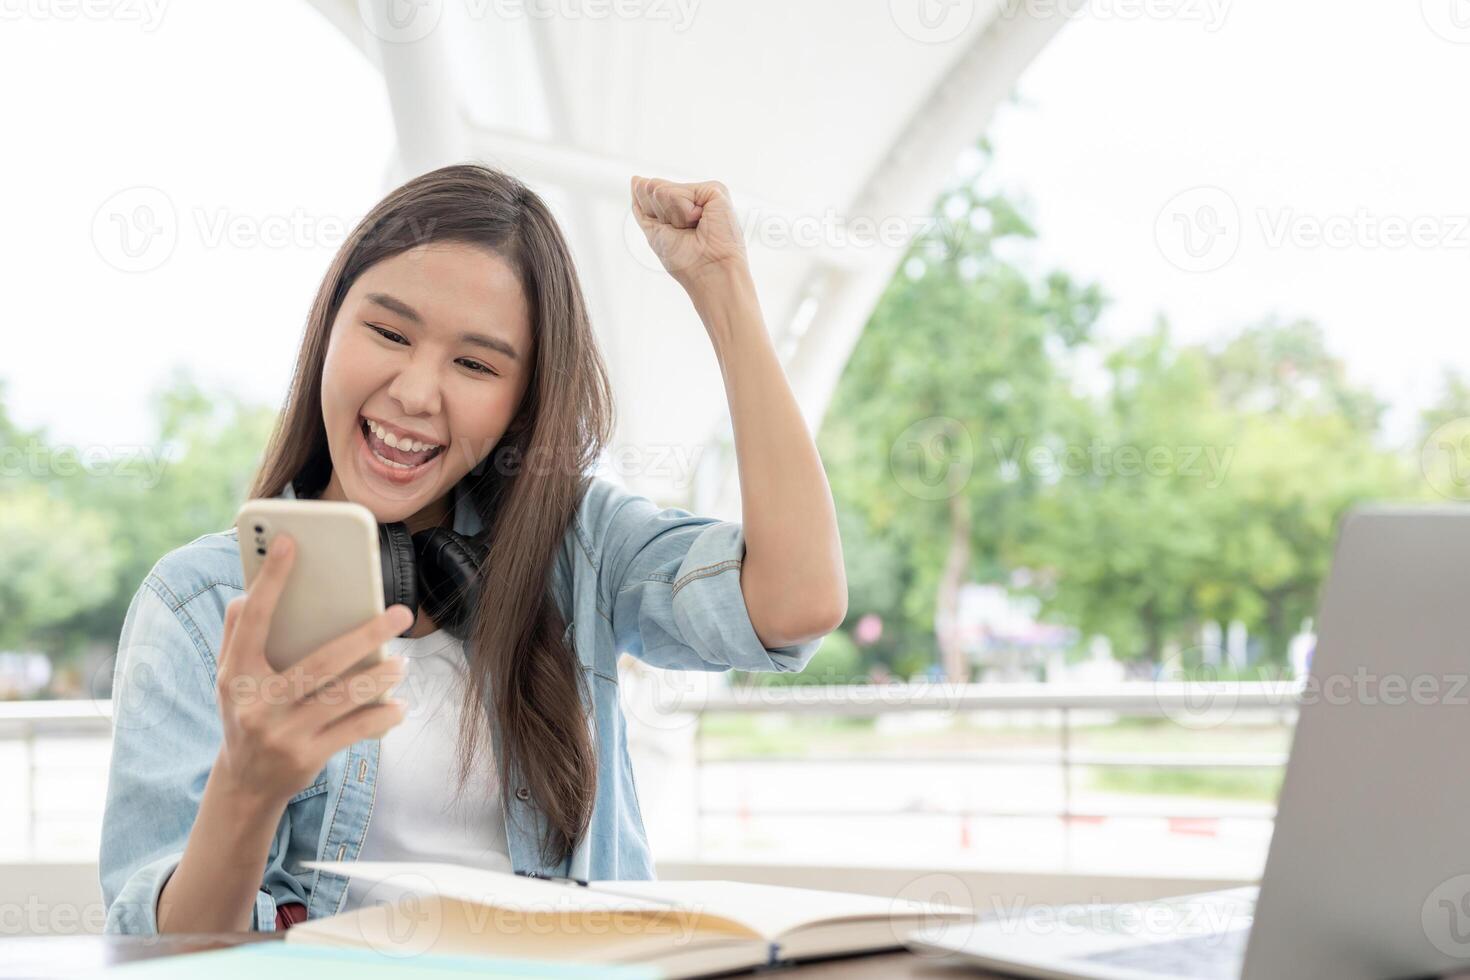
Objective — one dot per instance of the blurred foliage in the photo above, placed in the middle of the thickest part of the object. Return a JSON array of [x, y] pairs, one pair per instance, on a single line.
[[88, 523], [1138, 489], [58, 563]]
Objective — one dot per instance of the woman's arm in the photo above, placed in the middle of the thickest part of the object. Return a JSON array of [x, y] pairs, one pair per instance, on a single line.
[[214, 886], [165, 744], [792, 576]]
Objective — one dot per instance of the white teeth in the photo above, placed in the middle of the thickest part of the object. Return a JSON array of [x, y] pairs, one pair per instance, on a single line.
[[405, 443]]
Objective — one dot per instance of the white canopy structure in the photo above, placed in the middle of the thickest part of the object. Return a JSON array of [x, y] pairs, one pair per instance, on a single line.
[[828, 140]]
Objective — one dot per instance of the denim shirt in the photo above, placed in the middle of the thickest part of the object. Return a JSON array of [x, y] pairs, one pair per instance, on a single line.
[[661, 584]]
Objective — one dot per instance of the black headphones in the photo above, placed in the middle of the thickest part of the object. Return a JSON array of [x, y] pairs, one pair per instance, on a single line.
[[437, 568]]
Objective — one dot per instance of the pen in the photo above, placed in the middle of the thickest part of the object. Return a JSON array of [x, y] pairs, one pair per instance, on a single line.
[[566, 880], [561, 878]]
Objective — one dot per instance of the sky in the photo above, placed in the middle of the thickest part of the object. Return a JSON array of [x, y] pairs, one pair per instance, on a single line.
[[1215, 161], [1234, 161], [111, 116]]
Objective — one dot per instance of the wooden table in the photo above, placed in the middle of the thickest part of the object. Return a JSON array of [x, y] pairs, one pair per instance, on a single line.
[[46, 957]]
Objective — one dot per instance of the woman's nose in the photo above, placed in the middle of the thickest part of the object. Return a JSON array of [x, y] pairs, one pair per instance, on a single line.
[[417, 389]]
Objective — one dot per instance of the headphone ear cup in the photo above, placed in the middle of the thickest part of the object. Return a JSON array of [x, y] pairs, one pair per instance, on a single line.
[[400, 582], [448, 575]]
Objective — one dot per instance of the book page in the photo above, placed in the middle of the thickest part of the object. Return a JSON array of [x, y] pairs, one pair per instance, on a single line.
[[482, 886], [535, 896], [772, 910], [445, 926]]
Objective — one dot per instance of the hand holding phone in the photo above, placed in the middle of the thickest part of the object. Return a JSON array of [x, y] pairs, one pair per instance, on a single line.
[[301, 669], [280, 728]]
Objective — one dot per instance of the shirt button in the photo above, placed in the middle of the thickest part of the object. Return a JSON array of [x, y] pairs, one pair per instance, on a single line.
[[523, 794]]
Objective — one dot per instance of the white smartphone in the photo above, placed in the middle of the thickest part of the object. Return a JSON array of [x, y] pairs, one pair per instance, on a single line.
[[336, 579]]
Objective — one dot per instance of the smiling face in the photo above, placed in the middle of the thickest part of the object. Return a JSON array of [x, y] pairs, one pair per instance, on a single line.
[[426, 365]]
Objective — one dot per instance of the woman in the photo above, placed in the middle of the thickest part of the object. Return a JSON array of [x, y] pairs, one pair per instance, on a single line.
[[449, 376]]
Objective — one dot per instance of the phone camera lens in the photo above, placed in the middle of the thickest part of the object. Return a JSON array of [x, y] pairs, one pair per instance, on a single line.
[[260, 551], [259, 529]]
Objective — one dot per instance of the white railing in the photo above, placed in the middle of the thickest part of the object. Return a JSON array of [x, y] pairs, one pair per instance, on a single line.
[[1191, 705], [22, 725]]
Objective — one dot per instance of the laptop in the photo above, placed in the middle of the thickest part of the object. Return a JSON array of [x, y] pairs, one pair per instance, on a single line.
[[1368, 872]]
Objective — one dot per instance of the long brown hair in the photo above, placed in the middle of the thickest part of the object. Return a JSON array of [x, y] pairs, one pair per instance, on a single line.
[[517, 655]]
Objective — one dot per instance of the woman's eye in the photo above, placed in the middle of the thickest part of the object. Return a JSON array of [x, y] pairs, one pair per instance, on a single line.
[[477, 367], [386, 333]]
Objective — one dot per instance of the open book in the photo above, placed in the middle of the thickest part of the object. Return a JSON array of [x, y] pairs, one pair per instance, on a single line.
[[676, 928]]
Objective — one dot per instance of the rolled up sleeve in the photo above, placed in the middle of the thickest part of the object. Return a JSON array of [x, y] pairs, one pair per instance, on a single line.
[[672, 581], [166, 734]]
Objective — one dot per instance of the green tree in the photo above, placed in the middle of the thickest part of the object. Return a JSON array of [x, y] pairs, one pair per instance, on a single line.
[[1261, 446], [956, 365], [1309, 447], [190, 481], [1120, 546], [57, 564]]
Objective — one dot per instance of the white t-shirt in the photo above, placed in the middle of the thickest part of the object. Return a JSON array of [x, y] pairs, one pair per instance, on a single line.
[[415, 816]]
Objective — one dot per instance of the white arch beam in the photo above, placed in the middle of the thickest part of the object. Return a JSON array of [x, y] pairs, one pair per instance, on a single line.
[[916, 166]]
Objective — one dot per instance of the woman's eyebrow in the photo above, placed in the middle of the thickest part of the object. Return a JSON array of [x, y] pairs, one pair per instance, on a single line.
[[398, 306]]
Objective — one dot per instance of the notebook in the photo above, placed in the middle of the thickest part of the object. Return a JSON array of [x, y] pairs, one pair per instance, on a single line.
[[679, 928]]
